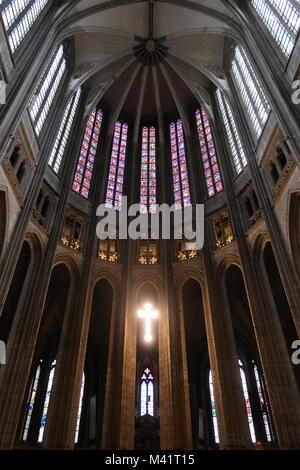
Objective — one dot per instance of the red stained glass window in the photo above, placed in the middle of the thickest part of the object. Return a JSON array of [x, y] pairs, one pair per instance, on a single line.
[[208, 153], [181, 186], [115, 182], [86, 160], [148, 171]]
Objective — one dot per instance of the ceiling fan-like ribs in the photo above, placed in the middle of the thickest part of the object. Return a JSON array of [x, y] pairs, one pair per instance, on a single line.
[[150, 52]]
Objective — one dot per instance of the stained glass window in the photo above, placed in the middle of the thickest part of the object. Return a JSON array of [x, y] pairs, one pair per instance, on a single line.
[[181, 186], [31, 402], [247, 402], [147, 393], [263, 403], [213, 409], [86, 160], [251, 93], [47, 89], [18, 17], [208, 153], [46, 402], [80, 409], [233, 136], [64, 132], [282, 19], [115, 182], [148, 171]]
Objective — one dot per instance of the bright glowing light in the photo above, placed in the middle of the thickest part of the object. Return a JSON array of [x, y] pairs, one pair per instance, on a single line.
[[148, 315]]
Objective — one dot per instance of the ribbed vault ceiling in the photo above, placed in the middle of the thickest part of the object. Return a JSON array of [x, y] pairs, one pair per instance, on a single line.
[[110, 39]]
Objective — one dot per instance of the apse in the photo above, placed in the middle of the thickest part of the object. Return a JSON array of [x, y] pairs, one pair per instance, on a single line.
[[148, 342]]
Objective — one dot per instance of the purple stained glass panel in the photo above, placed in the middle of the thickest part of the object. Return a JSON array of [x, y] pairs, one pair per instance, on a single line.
[[181, 188], [87, 154], [117, 165], [208, 153], [148, 170]]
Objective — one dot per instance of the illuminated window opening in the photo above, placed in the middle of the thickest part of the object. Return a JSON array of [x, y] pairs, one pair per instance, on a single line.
[[208, 153], [251, 93], [147, 393], [86, 160], [282, 19], [47, 89], [181, 186], [213, 409], [18, 18], [80, 409], [63, 134], [232, 134], [115, 185], [148, 171]]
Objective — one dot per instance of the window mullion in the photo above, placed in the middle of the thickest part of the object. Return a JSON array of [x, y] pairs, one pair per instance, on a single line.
[[233, 134], [245, 98], [20, 17], [256, 84], [4, 4], [249, 95], [295, 4], [64, 130], [60, 139], [118, 164], [284, 24], [178, 161], [43, 78], [148, 172], [49, 89]]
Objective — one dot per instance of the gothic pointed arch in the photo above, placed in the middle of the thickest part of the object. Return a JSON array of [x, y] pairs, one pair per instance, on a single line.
[[196, 356], [97, 364]]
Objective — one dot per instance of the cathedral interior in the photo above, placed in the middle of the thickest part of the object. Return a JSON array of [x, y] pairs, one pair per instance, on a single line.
[[149, 344]]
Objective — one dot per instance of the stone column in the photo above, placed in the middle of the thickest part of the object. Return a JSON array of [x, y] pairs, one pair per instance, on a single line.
[[62, 414], [23, 341], [174, 393], [286, 268], [230, 403], [279, 377]]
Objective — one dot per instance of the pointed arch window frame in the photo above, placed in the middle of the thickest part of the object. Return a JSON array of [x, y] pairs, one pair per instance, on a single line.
[[233, 137], [180, 174], [63, 134], [209, 156], [250, 92], [146, 380], [83, 176], [19, 16], [117, 166], [47, 88], [148, 175], [282, 21]]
